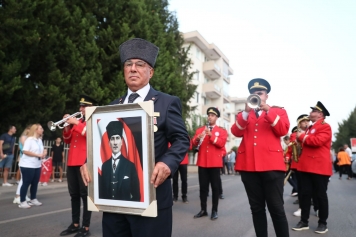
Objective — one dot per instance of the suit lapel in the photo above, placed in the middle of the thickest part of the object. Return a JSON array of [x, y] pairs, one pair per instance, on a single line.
[[152, 95]]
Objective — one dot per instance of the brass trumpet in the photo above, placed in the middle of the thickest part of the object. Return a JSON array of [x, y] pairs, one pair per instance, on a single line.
[[63, 123], [253, 101]]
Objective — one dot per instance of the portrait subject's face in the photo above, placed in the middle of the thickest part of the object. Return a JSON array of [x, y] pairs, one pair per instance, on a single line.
[[115, 144]]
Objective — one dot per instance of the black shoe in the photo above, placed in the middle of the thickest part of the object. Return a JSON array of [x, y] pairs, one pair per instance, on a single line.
[[201, 214], [214, 215], [185, 200], [175, 199], [322, 229], [70, 230], [221, 196], [82, 232], [296, 201], [301, 226]]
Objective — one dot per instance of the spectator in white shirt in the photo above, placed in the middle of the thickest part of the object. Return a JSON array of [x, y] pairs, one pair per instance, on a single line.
[[348, 151]]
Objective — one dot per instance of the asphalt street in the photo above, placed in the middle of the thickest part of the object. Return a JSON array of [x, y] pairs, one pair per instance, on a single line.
[[234, 212]]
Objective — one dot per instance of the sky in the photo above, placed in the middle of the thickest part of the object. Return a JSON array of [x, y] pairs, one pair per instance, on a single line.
[[305, 49]]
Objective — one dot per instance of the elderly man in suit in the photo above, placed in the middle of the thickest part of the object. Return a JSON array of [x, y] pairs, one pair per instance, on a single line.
[[119, 179], [138, 57]]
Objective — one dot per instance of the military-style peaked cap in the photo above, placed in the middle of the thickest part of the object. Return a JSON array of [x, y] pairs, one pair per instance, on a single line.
[[213, 110], [319, 106], [258, 84], [302, 117], [87, 101]]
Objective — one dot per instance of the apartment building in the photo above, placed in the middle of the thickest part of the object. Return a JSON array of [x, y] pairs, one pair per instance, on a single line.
[[212, 77]]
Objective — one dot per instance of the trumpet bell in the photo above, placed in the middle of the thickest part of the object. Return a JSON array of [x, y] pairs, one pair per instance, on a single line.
[[253, 101], [52, 126]]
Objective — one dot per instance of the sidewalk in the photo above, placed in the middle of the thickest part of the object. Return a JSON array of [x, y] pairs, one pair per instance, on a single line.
[[54, 185]]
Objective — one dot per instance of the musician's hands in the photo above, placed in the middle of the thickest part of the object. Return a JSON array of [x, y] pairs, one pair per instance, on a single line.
[[247, 109], [85, 174], [160, 174], [207, 132], [72, 120], [200, 136], [264, 107]]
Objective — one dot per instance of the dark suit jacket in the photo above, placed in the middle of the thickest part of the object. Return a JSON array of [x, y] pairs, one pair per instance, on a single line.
[[126, 184], [171, 129]]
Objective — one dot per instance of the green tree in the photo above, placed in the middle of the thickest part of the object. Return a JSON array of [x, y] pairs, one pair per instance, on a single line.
[[52, 51], [346, 130]]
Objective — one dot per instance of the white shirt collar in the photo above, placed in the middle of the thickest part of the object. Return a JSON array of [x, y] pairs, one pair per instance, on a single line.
[[143, 92], [115, 155]]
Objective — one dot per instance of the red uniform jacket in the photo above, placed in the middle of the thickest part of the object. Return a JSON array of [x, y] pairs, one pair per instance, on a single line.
[[261, 149], [294, 165], [211, 149], [77, 138], [316, 143]]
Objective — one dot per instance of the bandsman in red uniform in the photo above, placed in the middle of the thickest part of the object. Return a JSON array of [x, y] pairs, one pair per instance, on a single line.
[[211, 140], [260, 159], [75, 135], [315, 168]]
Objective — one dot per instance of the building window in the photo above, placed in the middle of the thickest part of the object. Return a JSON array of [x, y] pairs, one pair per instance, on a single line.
[[198, 54], [196, 75], [197, 97]]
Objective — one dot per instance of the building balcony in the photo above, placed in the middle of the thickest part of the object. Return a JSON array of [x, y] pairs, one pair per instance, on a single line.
[[226, 98], [212, 91], [212, 70]]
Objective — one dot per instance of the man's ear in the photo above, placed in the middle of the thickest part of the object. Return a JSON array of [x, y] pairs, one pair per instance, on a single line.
[[152, 71]]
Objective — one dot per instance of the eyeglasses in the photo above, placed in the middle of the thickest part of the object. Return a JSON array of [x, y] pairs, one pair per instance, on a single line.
[[139, 64]]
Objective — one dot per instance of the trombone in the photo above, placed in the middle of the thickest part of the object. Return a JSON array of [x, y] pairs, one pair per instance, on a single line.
[[253, 101], [63, 123]]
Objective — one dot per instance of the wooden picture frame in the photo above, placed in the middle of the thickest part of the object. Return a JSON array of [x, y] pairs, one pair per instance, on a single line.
[[115, 189]]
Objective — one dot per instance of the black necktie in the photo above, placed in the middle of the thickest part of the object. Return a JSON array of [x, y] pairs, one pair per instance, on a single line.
[[133, 97], [114, 165], [256, 112], [210, 128]]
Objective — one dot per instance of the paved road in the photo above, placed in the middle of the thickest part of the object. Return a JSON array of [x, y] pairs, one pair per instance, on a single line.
[[234, 214]]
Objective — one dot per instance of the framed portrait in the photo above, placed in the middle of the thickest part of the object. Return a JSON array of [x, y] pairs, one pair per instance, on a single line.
[[120, 158]]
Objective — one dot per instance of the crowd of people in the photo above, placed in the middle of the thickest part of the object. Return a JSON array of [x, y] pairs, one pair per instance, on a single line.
[[264, 166]]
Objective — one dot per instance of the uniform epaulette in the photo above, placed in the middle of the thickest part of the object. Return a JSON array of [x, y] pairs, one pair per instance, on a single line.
[[323, 122], [279, 107]]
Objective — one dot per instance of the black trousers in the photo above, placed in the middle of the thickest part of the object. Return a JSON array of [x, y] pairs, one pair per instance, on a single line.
[[293, 181], [122, 225], [318, 185], [347, 168], [209, 176], [77, 191], [183, 171], [266, 187]]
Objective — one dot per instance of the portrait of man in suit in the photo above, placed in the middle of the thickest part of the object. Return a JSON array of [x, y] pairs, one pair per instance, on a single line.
[[118, 179]]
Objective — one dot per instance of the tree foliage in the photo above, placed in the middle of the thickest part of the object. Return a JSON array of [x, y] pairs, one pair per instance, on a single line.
[[52, 51], [347, 130]]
